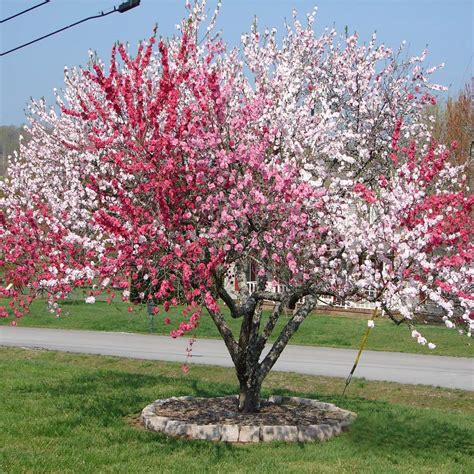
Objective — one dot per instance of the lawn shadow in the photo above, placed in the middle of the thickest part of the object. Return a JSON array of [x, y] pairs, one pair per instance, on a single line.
[[109, 393], [106, 397], [390, 427]]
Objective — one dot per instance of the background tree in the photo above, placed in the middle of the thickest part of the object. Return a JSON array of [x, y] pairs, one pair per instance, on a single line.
[[453, 122], [174, 167], [9, 143]]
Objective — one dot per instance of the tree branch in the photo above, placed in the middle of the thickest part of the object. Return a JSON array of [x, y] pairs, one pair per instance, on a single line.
[[230, 303], [242, 280], [392, 316], [226, 334], [254, 329], [285, 335], [267, 295], [270, 325]]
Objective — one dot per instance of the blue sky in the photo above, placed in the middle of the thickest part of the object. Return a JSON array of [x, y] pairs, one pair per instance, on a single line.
[[445, 26]]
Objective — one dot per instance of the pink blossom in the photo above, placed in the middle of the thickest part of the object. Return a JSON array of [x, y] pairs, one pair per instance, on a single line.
[[167, 170]]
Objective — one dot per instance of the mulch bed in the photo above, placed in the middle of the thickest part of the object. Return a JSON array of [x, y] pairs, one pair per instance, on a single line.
[[210, 411]]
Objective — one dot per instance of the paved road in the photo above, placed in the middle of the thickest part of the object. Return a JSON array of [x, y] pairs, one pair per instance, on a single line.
[[452, 372]]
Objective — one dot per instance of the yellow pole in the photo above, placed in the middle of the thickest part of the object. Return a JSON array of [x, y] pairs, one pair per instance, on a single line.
[[362, 346]]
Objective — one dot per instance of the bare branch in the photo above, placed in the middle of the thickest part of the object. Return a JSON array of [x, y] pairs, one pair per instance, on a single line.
[[241, 279], [267, 295], [230, 303], [269, 326], [226, 334], [392, 316], [285, 335]]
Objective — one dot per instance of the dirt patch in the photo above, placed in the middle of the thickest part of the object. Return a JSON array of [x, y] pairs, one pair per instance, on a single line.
[[135, 421], [211, 411]]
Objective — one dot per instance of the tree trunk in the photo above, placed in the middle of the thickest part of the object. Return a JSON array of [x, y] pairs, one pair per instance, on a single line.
[[245, 353], [249, 396]]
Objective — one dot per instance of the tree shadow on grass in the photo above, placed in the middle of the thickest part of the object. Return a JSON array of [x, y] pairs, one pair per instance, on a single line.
[[390, 428], [106, 394], [105, 397]]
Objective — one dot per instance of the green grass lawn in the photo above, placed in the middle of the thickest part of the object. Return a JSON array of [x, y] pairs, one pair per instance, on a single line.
[[67, 413], [317, 330]]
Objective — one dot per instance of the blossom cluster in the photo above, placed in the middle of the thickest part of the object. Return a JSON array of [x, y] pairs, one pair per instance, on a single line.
[[166, 170]]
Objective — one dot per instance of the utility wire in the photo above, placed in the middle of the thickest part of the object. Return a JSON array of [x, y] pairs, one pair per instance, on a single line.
[[24, 11], [125, 6], [101, 14]]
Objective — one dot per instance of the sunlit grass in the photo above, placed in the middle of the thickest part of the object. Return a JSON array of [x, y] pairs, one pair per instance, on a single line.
[[72, 413]]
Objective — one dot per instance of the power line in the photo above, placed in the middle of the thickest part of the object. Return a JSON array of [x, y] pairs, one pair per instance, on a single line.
[[24, 11], [57, 31], [122, 8]]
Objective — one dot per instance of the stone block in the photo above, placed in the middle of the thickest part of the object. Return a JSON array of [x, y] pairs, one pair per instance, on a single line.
[[178, 428], [157, 423], [318, 404], [326, 431], [157, 403], [297, 400], [338, 420], [280, 433], [325, 406], [349, 418], [310, 433], [309, 402], [249, 434], [208, 432], [230, 433], [148, 411], [276, 399]]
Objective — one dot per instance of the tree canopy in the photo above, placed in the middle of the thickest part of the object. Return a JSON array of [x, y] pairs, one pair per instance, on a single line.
[[182, 164]]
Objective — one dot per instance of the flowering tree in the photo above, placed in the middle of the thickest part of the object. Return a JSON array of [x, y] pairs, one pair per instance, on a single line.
[[175, 167]]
